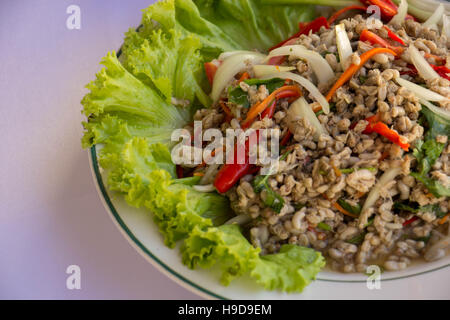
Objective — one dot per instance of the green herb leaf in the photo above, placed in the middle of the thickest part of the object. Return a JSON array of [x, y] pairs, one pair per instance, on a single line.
[[357, 239], [324, 226], [240, 97], [356, 210], [350, 170]]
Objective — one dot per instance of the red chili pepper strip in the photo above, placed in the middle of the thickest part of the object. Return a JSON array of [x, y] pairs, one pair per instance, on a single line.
[[409, 221], [230, 173], [286, 138], [210, 69], [442, 71], [180, 171], [338, 13], [391, 135], [373, 38], [269, 111], [305, 28], [388, 8], [394, 36]]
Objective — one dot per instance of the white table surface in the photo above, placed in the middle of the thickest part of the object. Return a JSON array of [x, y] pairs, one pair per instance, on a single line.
[[50, 214]]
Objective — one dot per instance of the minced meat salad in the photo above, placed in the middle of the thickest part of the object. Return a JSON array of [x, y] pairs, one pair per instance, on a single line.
[[363, 114]]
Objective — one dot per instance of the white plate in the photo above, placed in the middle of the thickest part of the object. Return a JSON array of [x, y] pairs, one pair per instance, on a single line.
[[421, 281]]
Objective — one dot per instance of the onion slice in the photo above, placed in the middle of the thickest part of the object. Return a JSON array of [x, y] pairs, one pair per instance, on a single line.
[[446, 25], [374, 194], [320, 66], [423, 67], [229, 68], [301, 109], [308, 85], [421, 92], [401, 13], [343, 45], [204, 188], [227, 54], [435, 17], [439, 111], [262, 70]]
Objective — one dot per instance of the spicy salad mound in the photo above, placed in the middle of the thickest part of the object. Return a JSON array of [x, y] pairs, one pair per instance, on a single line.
[[361, 105]]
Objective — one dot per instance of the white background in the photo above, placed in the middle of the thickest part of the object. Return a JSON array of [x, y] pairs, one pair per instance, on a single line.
[[50, 213]]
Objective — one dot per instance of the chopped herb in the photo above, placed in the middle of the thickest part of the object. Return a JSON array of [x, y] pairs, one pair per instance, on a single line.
[[273, 200], [357, 239], [238, 96], [350, 170], [424, 239], [323, 172], [356, 210], [318, 113], [362, 79], [271, 84], [428, 151], [415, 208], [369, 222], [299, 206], [324, 226]]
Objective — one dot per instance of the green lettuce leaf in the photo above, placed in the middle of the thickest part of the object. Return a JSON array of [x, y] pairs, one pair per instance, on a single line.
[[292, 269], [225, 246], [178, 208], [177, 76], [226, 25]]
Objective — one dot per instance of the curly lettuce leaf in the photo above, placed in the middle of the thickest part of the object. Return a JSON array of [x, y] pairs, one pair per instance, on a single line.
[[225, 246], [292, 269], [226, 25], [178, 208], [181, 64]]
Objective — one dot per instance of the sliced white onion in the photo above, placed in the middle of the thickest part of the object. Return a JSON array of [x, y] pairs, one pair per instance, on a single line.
[[262, 70], [419, 91], [227, 54], [204, 188], [423, 67], [320, 66], [401, 13], [229, 68], [435, 17], [429, 5], [374, 194], [308, 85], [343, 45], [439, 111], [300, 109], [446, 25]]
